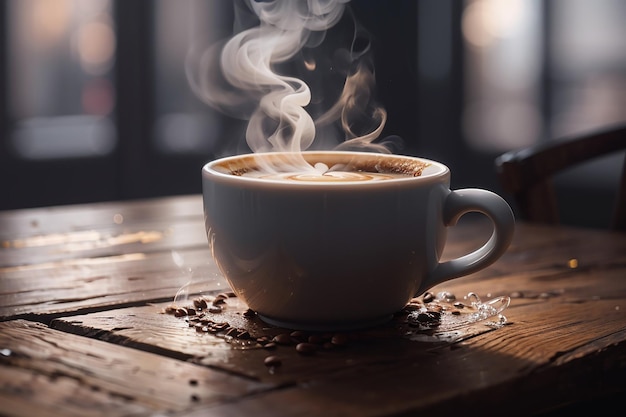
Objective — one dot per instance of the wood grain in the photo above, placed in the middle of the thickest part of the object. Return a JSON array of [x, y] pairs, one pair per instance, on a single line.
[[46, 373]]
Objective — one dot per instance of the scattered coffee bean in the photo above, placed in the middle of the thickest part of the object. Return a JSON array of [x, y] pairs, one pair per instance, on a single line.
[[200, 303], [272, 361], [339, 339], [298, 334], [428, 297], [455, 312], [249, 313], [316, 339], [221, 326], [243, 334], [459, 304], [283, 339], [306, 348], [221, 296], [435, 315], [170, 310], [413, 307], [218, 301], [191, 311], [180, 312], [269, 345]]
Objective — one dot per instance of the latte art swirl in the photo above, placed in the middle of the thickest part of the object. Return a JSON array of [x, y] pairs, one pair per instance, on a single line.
[[330, 176]]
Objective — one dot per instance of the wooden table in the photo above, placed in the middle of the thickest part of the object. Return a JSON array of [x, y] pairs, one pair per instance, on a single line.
[[86, 329]]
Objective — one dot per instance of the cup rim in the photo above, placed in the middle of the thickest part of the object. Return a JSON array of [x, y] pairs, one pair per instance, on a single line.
[[434, 171]]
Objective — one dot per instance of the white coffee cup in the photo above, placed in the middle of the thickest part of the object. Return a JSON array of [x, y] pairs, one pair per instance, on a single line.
[[314, 253]]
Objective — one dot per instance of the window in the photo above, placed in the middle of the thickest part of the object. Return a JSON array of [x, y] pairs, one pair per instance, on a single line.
[[538, 69], [61, 95]]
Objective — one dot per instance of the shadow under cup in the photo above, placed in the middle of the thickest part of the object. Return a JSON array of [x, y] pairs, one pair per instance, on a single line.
[[342, 241]]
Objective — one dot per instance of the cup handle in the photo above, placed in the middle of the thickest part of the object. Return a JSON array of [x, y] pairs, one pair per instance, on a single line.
[[458, 203]]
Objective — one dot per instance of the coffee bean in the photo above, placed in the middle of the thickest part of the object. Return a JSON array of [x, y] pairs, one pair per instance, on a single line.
[[269, 345], [435, 315], [306, 348], [221, 296], [298, 334], [283, 339], [459, 304], [200, 303], [193, 382], [243, 334], [221, 326], [422, 318], [316, 339], [455, 312], [180, 312], [413, 307], [218, 301], [249, 313], [215, 309], [272, 361], [191, 311], [428, 297], [170, 310], [339, 339]]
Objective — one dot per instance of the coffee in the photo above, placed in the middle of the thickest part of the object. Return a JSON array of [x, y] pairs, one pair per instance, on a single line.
[[328, 176], [315, 170]]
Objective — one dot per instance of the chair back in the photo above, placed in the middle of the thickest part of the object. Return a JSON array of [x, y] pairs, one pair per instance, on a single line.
[[527, 174]]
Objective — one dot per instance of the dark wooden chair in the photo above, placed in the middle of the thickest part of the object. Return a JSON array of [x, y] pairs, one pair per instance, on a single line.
[[527, 174]]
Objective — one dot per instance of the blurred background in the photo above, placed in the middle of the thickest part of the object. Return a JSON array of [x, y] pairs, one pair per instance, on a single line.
[[95, 104]]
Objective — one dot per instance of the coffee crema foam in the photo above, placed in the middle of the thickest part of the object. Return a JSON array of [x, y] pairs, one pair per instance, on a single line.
[[333, 176], [320, 172]]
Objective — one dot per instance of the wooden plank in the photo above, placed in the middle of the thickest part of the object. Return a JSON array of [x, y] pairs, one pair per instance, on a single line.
[[148, 328], [45, 372], [89, 284], [536, 358], [137, 326], [141, 237], [61, 219], [549, 326]]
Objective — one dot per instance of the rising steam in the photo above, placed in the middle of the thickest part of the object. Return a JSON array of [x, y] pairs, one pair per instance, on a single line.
[[246, 77]]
